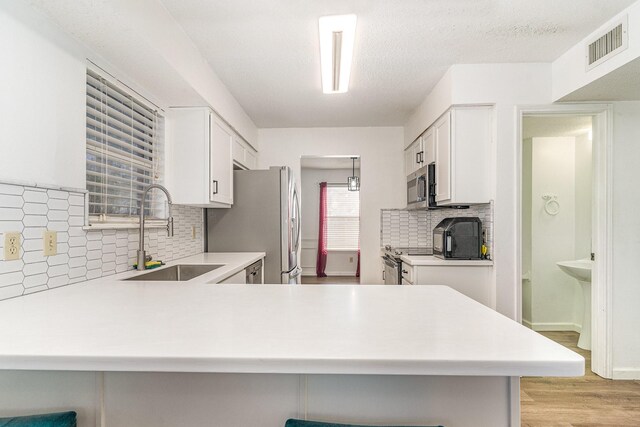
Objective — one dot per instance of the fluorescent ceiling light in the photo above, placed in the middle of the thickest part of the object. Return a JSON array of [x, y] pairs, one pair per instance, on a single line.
[[337, 35]]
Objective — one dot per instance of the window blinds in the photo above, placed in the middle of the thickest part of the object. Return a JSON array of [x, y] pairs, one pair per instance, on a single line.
[[343, 218], [124, 151]]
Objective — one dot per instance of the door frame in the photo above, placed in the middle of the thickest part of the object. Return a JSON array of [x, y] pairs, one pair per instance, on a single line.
[[602, 282]]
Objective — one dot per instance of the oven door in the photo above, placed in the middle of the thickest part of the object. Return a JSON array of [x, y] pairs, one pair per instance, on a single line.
[[391, 271]]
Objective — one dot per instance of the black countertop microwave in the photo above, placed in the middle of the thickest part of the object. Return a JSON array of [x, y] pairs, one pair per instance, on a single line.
[[458, 238]]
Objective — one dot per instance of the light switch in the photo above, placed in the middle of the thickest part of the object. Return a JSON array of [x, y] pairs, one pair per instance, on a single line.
[[50, 243]]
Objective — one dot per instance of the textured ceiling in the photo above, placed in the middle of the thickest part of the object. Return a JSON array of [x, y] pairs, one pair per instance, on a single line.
[[267, 53], [555, 126]]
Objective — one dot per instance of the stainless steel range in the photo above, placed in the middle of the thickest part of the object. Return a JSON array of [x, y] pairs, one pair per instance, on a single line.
[[393, 263]]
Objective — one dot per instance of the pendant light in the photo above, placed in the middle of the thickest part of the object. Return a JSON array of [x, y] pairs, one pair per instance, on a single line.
[[353, 182]]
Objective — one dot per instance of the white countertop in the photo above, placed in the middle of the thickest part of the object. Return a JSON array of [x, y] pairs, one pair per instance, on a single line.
[[111, 325], [418, 260]]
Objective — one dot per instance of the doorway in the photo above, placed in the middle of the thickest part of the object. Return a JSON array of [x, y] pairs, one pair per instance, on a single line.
[[556, 224], [564, 222], [330, 210]]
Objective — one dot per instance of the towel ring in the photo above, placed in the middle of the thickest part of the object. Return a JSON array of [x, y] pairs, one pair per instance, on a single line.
[[551, 204]]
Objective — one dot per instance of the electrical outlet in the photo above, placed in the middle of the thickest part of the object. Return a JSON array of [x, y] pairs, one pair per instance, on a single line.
[[351, 259], [11, 246], [50, 243], [193, 232]]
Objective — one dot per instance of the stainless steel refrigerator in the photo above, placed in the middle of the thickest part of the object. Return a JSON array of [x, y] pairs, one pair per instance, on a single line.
[[265, 217]]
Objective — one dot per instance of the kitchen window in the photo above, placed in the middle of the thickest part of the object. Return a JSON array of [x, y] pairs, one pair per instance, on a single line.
[[124, 152], [343, 218]]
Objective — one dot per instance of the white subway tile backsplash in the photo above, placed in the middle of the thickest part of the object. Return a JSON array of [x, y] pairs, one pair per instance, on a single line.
[[403, 228], [58, 204], [34, 209], [34, 220], [33, 196], [11, 291], [11, 201], [35, 280], [11, 189], [11, 214], [82, 255], [58, 194]]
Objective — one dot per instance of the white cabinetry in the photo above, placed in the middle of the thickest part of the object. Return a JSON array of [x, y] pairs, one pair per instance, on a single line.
[[420, 153], [413, 157], [200, 158], [244, 155], [463, 144], [472, 281]]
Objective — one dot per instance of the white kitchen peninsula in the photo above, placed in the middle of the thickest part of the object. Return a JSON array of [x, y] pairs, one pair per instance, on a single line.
[[192, 353]]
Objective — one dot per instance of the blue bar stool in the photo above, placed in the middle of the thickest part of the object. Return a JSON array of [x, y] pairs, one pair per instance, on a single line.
[[301, 423], [60, 419]]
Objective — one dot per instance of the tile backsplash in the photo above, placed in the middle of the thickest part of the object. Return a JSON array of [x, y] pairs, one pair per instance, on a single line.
[[408, 229], [81, 254]]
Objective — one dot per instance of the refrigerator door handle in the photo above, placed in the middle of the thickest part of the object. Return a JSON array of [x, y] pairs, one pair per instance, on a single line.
[[297, 218]]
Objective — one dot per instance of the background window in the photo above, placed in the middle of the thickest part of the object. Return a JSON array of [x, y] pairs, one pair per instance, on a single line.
[[343, 218], [124, 152]]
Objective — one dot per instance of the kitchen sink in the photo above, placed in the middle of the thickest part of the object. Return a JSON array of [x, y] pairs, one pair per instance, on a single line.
[[181, 272]]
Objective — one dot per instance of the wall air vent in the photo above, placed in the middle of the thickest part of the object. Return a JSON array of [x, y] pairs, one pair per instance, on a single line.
[[607, 45]]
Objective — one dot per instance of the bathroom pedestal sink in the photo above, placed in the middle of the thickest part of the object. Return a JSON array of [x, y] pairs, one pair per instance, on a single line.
[[581, 271]]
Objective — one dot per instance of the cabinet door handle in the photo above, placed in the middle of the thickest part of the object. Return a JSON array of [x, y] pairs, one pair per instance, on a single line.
[[215, 182], [418, 158], [405, 272], [422, 157], [384, 275]]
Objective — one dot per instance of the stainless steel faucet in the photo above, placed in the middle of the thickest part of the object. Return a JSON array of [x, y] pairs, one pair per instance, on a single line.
[[142, 256]]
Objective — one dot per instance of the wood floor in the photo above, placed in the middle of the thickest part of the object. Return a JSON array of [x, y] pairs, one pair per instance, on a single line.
[[332, 280], [587, 401]]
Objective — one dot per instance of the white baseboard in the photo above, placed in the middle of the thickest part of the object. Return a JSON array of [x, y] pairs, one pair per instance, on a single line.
[[542, 327], [626, 374]]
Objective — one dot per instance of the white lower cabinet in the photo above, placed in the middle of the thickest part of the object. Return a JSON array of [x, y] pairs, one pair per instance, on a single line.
[[476, 282]]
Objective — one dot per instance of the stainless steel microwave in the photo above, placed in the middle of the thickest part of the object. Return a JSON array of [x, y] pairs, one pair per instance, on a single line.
[[421, 188], [417, 195]]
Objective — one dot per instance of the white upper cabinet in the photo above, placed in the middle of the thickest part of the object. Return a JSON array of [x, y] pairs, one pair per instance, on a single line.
[[413, 157], [244, 155], [199, 158], [428, 147], [420, 153], [221, 162], [463, 141]]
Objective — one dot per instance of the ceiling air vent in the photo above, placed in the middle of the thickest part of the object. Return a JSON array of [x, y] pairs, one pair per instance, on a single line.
[[607, 45]]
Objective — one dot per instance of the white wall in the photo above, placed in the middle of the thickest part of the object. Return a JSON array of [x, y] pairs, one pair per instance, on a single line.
[[339, 263], [527, 155], [43, 73], [569, 72], [584, 190], [382, 172], [554, 293], [626, 241], [551, 300], [500, 85], [42, 106]]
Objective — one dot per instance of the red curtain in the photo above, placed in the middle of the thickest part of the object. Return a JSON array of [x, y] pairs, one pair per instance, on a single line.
[[321, 262]]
